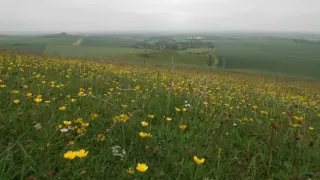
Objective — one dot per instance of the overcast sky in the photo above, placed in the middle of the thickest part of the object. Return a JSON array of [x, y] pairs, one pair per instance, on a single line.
[[173, 15]]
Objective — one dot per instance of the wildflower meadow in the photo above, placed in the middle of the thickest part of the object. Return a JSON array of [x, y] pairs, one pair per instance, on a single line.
[[79, 119]]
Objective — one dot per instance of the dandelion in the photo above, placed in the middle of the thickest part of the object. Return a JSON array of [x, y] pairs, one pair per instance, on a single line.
[[82, 153], [3, 85], [184, 109], [284, 113], [142, 167], [151, 116], [71, 142], [144, 124], [254, 107], [16, 101], [177, 109], [198, 161], [73, 100], [62, 108], [29, 95], [70, 155], [182, 126], [47, 101], [205, 103], [130, 170]]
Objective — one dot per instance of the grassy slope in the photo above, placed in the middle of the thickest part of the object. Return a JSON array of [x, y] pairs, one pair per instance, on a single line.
[[222, 124]]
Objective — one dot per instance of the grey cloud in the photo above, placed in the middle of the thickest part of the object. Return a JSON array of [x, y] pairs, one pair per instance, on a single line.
[[126, 15]]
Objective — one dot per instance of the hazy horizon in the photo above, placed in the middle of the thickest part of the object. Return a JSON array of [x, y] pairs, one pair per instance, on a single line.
[[98, 16]]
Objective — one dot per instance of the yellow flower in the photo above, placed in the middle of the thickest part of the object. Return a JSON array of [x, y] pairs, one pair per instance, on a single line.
[[59, 126], [254, 107], [122, 118], [205, 103], [298, 118], [198, 161], [142, 167], [284, 113], [168, 118], [101, 137], [184, 109], [67, 123], [137, 87], [15, 92], [79, 120], [130, 170], [39, 96], [70, 155], [47, 102], [3, 85], [144, 124], [71, 142], [84, 125], [178, 109], [182, 126], [82, 153], [16, 101], [94, 116], [294, 125], [62, 108], [29, 95], [151, 116], [73, 100], [311, 128], [142, 134], [38, 100], [124, 105]]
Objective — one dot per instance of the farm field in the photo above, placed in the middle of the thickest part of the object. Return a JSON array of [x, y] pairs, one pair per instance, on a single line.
[[79, 119]]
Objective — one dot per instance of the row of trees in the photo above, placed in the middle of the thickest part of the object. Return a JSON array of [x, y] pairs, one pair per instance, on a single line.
[[180, 46]]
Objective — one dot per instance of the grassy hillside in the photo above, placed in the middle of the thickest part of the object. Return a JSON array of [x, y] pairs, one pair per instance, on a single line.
[[262, 54], [76, 119]]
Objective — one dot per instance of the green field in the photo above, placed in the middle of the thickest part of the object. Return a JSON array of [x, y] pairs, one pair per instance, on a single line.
[[267, 55]]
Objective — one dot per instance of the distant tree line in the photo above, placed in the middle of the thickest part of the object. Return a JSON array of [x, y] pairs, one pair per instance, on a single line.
[[306, 41], [160, 45]]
